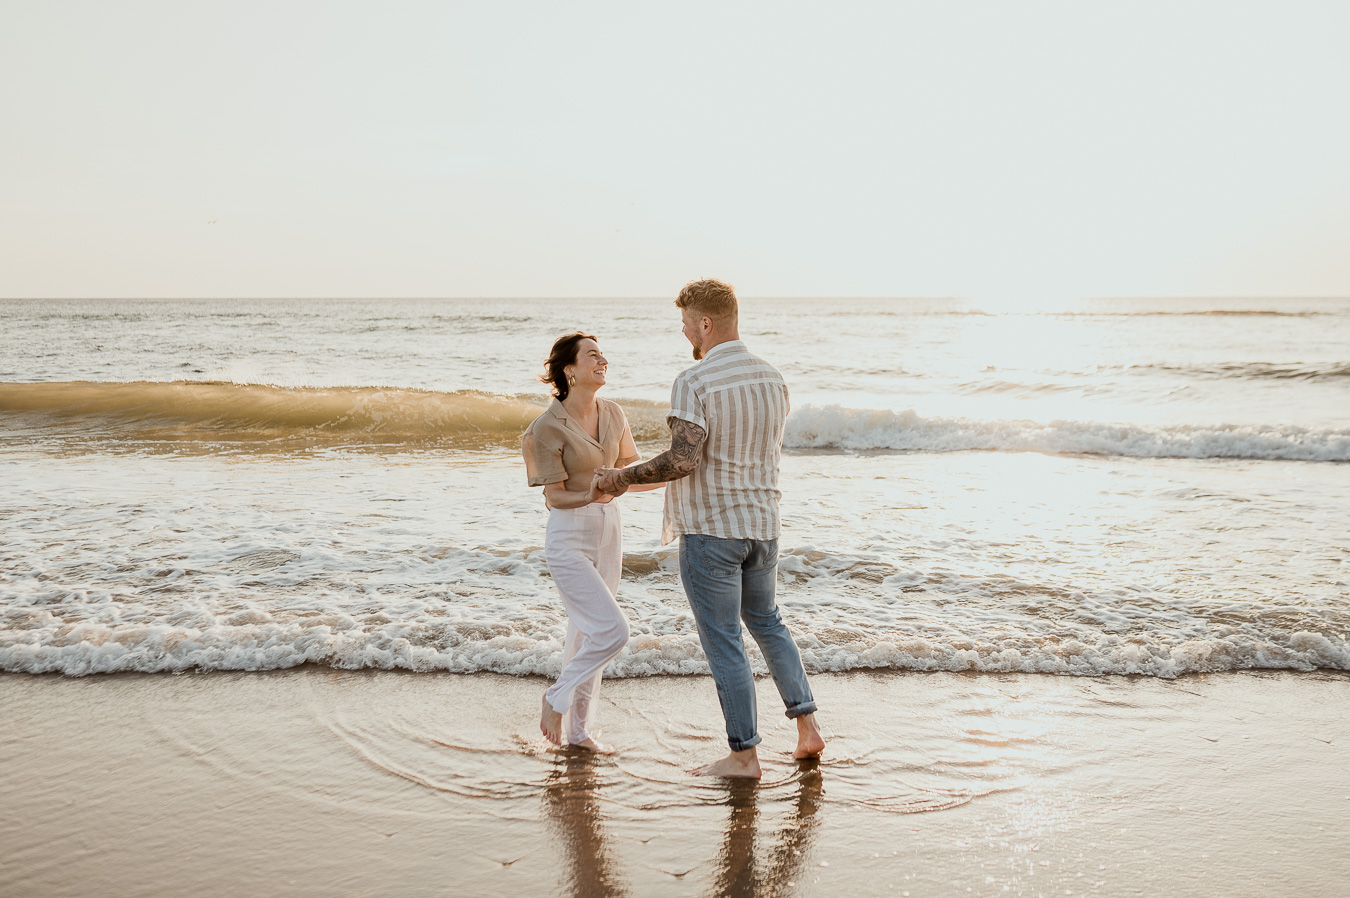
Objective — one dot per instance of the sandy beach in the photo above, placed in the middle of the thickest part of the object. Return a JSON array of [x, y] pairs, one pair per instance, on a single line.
[[323, 782]]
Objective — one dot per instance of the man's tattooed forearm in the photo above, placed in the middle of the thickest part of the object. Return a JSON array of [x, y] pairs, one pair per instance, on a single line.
[[657, 470], [680, 460]]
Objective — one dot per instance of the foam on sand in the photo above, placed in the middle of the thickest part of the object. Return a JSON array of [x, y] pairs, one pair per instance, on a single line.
[[80, 638]]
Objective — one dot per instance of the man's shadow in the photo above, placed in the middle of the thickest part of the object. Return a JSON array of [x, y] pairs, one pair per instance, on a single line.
[[739, 870], [572, 796]]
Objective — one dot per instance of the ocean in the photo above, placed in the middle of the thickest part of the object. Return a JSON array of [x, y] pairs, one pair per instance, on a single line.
[[1154, 487]]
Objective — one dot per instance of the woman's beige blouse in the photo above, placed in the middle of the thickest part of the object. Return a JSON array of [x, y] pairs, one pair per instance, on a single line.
[[557, 449]]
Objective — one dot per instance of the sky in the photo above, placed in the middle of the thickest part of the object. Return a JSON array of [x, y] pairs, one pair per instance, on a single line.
[[1014, 150]]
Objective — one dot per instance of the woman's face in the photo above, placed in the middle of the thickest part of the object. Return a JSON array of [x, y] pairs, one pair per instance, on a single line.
[[590, 366]]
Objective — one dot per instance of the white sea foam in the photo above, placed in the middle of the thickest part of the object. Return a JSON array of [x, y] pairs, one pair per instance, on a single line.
[[836, 427], [46, 645], [472, 609], [982, 562]]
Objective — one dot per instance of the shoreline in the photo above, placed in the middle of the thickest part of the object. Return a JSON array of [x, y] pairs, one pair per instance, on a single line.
[[544, 680]]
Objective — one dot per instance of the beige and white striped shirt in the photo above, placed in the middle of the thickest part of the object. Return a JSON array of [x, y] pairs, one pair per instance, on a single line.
[[741, 401]]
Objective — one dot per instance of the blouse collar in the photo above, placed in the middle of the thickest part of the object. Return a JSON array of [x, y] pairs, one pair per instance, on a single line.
[[560, 412]]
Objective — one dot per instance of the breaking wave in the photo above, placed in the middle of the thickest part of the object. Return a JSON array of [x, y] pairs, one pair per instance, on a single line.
[[835, 427], [185, 411], [237, 414], [1252, 371]]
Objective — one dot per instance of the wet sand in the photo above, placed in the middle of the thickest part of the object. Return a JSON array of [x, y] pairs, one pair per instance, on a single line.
[[319, 782]]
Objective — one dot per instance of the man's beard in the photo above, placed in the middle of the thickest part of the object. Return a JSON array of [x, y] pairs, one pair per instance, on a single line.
[[698, 354]]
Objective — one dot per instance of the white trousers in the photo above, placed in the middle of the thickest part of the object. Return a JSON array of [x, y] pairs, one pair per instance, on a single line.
[[584, 550]]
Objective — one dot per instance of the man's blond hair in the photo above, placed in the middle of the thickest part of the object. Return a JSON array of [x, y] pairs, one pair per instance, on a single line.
[[711, 297]]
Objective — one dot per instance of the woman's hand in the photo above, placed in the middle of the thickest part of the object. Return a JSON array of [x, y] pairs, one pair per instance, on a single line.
[[595, 494], [607, 481]]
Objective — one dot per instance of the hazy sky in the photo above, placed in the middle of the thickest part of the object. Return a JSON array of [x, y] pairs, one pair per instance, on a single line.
[[894, 148]]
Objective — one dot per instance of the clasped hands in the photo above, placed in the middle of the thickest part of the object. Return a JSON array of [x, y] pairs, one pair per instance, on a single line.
[[606, 482]]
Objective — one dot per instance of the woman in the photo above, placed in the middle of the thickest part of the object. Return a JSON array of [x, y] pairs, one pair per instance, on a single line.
[[579, 433]]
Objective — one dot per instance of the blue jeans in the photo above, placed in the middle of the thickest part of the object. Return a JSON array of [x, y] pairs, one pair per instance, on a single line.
[[729, 581]]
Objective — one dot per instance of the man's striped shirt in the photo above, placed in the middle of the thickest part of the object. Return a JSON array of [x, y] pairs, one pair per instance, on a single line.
[[741, 401]]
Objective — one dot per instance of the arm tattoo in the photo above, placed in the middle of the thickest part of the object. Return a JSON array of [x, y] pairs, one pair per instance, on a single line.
[[680, 460]]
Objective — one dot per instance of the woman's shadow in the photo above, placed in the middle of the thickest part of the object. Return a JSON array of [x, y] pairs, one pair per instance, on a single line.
[[572, 795]]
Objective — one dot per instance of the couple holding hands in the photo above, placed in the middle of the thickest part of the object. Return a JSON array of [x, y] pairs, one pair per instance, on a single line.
[[726, 421]]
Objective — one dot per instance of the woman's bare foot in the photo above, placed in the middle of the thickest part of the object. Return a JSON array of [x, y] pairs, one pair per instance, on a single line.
[[550, 723], [809, 741], [589, 744], [737, 765]]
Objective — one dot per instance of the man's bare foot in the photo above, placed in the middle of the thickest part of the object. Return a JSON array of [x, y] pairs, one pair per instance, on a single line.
[[737, 765], [809, 741], [589, 744], [550, 723]]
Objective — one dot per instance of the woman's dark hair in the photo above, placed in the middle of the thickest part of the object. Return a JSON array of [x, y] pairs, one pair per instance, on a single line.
[[564, 353]]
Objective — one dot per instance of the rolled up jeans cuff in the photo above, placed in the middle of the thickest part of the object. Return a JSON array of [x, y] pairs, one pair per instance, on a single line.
[[737, 745], [801, 710]]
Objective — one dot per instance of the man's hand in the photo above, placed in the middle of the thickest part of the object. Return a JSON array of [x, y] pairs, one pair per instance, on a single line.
[[607, 481]]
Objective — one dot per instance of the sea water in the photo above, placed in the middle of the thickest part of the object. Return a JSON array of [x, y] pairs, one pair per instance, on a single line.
[[1109, 486]]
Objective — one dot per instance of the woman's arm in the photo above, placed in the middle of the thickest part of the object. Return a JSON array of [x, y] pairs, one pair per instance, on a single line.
[[559, 497], [645, 487]]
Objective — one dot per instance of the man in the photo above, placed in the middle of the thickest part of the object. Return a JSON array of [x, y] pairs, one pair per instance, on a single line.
[[726, 422]]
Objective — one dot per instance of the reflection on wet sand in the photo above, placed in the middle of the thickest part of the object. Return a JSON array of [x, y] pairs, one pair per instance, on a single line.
[[738, 871], [572, 798], [590, 863]]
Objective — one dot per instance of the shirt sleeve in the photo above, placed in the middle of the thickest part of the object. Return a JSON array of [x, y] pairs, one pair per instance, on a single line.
[[685, 404], [543, 461], [625, 440]]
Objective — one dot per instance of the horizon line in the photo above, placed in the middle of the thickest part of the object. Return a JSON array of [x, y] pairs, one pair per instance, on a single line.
[[951, 297]]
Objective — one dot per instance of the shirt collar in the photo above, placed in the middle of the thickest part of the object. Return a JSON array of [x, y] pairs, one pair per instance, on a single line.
[[729, 346]]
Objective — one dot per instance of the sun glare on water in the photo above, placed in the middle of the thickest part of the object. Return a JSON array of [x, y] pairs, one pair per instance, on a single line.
[[1025, 302]]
